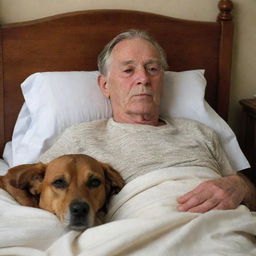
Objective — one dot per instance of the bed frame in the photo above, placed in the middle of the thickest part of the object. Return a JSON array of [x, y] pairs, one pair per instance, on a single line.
[[72, 41]]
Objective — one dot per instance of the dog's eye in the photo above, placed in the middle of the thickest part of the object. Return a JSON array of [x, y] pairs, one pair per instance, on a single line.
[[94, 182], [60, 183]]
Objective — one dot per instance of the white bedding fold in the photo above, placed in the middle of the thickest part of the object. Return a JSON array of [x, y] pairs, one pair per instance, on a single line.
[[26, 226], [143, 220]]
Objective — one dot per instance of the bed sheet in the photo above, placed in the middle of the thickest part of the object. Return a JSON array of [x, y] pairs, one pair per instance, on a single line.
[[142, 220]]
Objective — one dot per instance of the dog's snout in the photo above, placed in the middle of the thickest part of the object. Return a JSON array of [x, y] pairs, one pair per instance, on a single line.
[[79, 208], [80, 216]]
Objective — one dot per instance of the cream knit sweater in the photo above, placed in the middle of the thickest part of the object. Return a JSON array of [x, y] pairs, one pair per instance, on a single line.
[[134, 149]]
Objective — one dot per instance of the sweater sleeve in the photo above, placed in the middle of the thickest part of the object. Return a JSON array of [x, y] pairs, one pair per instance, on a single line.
[[221, 157]]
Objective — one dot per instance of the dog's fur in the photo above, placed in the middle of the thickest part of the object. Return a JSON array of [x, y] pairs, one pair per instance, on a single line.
[[74, 187]]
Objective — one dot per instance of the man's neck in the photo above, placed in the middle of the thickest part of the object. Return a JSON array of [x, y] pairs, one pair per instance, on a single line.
[[139, 119]]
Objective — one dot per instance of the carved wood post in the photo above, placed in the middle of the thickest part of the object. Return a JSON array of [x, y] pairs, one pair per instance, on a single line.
[[225, 7], [225, 58]]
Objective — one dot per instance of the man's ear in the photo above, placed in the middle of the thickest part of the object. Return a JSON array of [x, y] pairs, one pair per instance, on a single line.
[[24, 182], [102, 81]]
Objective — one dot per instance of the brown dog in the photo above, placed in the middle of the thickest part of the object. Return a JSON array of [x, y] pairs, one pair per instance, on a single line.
[[73, 187]]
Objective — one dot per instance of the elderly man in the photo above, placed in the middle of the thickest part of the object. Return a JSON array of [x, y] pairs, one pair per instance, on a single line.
[[137, 140]]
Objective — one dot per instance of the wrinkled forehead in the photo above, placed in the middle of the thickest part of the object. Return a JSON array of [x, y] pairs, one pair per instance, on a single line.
[[130, 50]]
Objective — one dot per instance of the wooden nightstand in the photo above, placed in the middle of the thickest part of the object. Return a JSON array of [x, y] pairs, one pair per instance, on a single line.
[[248, 130]]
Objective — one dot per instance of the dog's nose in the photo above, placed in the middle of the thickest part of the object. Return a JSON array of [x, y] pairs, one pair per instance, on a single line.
[[79, 208]]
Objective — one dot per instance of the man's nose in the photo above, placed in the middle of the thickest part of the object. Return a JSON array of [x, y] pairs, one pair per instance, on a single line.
[[142, 77]]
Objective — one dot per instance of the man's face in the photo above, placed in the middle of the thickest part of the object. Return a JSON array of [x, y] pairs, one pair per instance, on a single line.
[[134, 79]]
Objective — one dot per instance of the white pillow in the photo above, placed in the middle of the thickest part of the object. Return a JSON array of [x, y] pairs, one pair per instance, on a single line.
[[53, 102], [57, 100]]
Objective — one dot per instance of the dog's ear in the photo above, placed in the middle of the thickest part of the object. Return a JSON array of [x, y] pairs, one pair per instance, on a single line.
[[24, 182], [114, 181]]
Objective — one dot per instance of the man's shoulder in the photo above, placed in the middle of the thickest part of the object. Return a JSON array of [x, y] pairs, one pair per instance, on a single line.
[[186, 123], [86, 126]]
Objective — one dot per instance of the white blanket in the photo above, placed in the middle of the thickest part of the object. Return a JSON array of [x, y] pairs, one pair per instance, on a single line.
[[142, 220]]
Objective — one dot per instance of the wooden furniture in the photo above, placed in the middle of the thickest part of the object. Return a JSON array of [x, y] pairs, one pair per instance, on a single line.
[[248, 130], [72, 41]]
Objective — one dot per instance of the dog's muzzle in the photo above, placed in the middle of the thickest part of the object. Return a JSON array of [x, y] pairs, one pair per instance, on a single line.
[[80, 216]]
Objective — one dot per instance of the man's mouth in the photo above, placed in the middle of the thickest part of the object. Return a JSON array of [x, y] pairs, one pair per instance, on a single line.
[[143, 95]]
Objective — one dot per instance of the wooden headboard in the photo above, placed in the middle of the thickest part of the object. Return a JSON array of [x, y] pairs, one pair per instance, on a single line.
[[72, 41]]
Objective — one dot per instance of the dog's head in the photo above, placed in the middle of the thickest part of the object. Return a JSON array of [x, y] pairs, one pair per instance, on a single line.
[[73, 187]]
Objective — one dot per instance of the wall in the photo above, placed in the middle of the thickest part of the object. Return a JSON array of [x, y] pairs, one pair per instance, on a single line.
[[244, 57]]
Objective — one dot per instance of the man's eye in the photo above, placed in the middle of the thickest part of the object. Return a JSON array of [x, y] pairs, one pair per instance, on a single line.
[[153, 70], [94, 182], [60, 183], [128, 71]]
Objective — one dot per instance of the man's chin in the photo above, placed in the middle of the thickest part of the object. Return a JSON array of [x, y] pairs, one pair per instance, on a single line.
[[145, 109]]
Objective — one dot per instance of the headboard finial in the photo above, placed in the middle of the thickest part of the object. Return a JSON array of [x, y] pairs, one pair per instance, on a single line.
[[225, 7]]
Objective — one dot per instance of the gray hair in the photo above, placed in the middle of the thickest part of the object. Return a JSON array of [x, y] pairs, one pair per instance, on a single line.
[[104, 56]]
